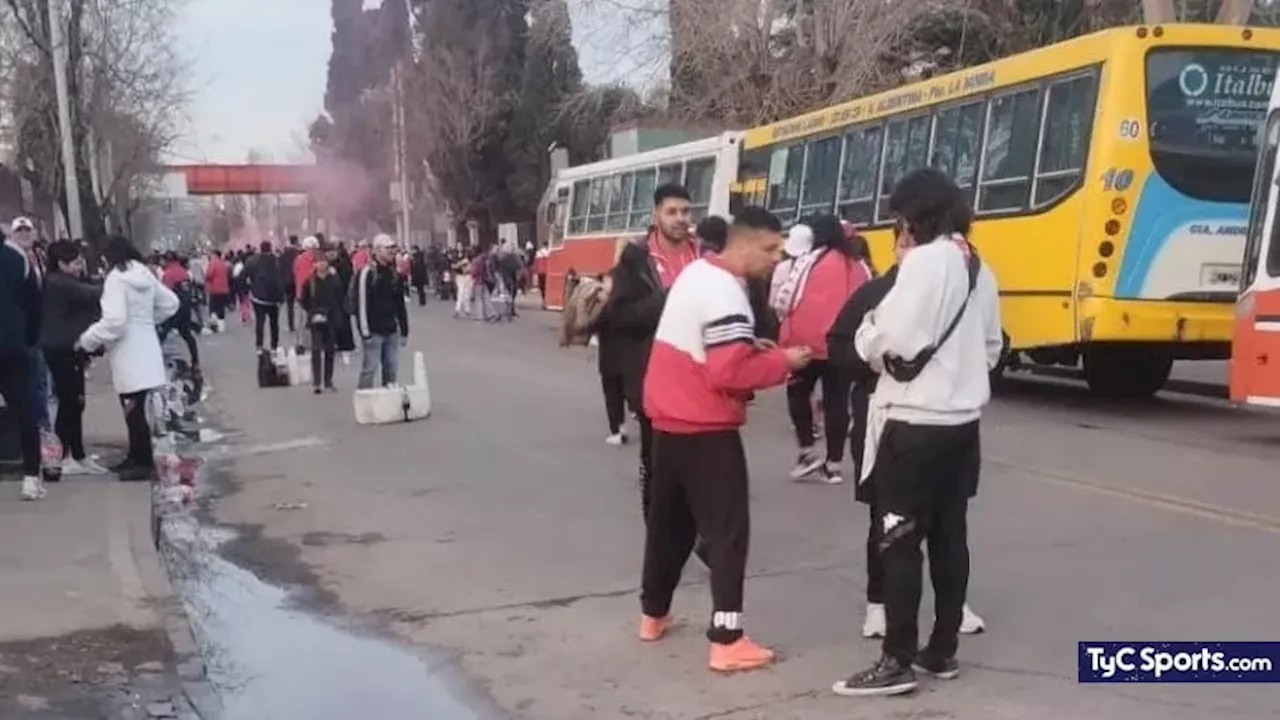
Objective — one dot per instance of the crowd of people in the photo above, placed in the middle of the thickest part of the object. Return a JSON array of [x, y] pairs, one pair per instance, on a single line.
[[691, 323], [56, 315]]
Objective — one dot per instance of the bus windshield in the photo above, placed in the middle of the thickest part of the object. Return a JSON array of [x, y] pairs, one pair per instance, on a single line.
[[1204, 107]]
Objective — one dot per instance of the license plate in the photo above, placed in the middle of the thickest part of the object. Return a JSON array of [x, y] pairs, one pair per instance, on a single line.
[[1223, 276]]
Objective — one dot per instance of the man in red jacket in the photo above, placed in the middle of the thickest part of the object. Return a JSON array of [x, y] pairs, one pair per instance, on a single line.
[[217, 282], [706, 360]]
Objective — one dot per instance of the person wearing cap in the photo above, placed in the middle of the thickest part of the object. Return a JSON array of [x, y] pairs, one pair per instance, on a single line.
[[26, 239], [377, 300]]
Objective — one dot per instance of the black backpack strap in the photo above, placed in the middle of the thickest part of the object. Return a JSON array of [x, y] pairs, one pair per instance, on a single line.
[[907, 370], [975, 266]]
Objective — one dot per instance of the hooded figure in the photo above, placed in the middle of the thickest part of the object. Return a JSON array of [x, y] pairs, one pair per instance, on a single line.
[[133, 302]]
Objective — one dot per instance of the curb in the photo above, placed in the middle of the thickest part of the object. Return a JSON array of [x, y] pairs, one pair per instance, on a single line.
[[153, 572]]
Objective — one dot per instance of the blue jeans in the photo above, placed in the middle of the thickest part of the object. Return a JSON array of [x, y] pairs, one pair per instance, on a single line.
[[379, 350], [39, 387]]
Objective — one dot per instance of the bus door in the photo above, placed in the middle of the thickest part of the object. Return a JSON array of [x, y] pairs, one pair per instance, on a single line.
[[1255, 344]]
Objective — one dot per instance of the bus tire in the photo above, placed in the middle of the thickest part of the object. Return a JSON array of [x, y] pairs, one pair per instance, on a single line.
[[1120, 372], [997, 373]]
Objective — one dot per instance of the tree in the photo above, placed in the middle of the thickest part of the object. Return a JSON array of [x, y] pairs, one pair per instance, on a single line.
[[357, 128], [550, 78], [463, 97], [744, 62], [127, 86]]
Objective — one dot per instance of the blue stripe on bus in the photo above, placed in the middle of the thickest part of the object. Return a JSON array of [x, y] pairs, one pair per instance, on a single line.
[[1161, 210]]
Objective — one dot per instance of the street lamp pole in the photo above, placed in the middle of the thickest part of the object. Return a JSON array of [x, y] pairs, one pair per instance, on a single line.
[[58, 48]]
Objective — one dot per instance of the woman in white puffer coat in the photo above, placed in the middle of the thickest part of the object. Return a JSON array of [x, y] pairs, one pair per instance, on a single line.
[[134, 302]]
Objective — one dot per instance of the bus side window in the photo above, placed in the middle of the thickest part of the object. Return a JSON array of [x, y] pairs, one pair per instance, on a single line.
[[821, 171], [699, 179], [599, 204], [957, 141], [579, 207], [642, 199], [1064, 141], [858, 176], [785, 170], [672, 174], [619, 201], [906, 148], [1013, 124]]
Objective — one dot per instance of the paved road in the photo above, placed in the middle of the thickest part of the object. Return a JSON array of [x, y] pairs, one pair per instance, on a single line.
[[504, 531]]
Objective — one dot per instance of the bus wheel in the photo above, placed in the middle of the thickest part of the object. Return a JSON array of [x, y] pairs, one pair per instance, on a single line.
[[1122, 372], [997, 373]]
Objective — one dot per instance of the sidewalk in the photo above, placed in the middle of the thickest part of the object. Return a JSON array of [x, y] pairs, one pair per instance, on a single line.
[[86, 601]]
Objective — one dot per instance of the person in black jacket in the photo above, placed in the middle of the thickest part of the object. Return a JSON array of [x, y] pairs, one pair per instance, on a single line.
[[19, 332], [323, 300], [376, 299], [418, 274], [841, 352], [287, 256], [71, 305], [639, 283], [610, 356], [266, 292]]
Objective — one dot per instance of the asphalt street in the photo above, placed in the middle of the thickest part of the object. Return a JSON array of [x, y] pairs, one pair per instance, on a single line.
[[501, 538]]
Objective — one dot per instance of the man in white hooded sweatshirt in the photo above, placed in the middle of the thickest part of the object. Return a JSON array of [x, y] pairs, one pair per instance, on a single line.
[[934, 338]]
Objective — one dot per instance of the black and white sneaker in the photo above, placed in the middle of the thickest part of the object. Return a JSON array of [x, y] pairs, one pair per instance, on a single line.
[[886, 677], [806, 463], [830, 473], [941, 668]]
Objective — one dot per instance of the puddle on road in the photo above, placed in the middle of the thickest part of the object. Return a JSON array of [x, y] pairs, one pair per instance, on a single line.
[[268, 661]]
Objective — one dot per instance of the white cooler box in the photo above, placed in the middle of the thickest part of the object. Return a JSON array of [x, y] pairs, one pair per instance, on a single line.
[[299, 368], [382, 406]]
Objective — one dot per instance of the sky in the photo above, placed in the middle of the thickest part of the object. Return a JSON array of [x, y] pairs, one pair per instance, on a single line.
[[258, 76], [259, 69]]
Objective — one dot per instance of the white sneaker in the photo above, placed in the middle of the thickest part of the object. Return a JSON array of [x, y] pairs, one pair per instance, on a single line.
[[616, 439], [806, 463], [32, 487], [875, 624], [830, 474], [71, 467], [90, 466], [971, 623]]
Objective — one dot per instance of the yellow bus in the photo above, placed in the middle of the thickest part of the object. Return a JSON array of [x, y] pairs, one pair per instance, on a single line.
[[1110, 175]]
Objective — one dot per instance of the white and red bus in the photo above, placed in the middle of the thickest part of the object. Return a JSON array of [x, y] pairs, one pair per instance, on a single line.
[[1255, 343], [589, 211]]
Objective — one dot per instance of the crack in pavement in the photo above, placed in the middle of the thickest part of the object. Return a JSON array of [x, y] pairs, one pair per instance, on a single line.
[[1018, 671], [1173, 503], [758, 706], [566, 601]]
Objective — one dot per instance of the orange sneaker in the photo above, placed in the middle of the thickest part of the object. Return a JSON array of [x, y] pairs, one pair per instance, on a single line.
[[744, 654], [652, 628]]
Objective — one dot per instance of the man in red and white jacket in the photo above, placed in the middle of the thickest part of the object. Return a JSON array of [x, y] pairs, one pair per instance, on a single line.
[[706, 359]]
